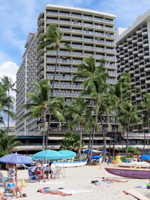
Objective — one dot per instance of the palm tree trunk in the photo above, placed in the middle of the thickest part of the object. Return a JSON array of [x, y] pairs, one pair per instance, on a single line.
[[8, 117], [115, 134], [93, 132], [52, 91], [123, 134], [80, 140], [144, 134], [104, 141], [127, 138], [44, 129], [89, 142]]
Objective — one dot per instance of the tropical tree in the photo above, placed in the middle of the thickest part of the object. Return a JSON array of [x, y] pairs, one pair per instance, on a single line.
[[96, 89], [40, 104], [71, 141], [8, 86], [6, 104], [90, 125], [145, 105], [51, 40], [7, 143], [131, 113], [75, 115]]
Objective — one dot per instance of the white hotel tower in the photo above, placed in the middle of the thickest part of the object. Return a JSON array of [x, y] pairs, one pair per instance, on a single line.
[[133, 56], [90, 33]]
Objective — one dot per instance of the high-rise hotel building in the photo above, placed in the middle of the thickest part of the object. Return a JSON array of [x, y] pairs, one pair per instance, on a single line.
[[133, 56], [90, 33]]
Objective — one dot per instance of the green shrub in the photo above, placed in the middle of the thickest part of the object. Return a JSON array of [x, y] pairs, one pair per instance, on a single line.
[[4, 153], [123, 158]]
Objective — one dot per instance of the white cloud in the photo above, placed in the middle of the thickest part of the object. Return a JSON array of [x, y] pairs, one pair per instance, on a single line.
[[9, 69]]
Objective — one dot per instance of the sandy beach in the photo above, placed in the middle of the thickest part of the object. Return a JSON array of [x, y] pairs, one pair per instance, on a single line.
[[78, 182]]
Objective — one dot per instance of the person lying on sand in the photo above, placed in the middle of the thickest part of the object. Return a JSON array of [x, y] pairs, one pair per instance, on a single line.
[[113, 180], [12, 187], [52, 191]]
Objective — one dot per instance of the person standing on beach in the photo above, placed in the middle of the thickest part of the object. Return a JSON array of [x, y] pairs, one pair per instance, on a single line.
[[12, 171]]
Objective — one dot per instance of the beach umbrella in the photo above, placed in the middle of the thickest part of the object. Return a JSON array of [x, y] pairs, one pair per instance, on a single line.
[[96, 157], [145, 157], [49, 155], [67, 154], [16, 159], [106, 152], [87, 151]]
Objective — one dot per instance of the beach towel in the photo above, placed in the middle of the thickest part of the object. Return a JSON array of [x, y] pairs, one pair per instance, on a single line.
[[141, 186], [47, 183]]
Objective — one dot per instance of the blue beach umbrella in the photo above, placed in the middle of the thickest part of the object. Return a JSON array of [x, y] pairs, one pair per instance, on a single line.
[[49, 155], [96, 157], [145, 157], [87, 151], [106, 152], [16, 159], [67, 154]]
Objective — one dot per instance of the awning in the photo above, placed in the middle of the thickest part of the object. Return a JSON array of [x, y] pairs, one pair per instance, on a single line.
[[97, 138], [55, 138], [34, 147]]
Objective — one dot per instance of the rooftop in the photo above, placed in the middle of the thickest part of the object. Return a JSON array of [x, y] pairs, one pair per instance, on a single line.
[[139, 20], [81, 9]]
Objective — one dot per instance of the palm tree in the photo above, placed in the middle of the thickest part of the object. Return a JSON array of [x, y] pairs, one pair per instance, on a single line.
[[8, 143], [8, 86], [96, 89], [90, 125], [56, 110], [88, 70], [131, 114], [145, 105], [6, 103], [75, 115], [51, 40], [41, 103]]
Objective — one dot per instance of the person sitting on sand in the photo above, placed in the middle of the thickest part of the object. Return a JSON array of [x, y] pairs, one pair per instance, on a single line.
[[53, 191], [12, 187], [113, 180]]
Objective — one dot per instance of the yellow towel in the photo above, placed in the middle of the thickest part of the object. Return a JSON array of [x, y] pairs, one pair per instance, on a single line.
[[23, 183]]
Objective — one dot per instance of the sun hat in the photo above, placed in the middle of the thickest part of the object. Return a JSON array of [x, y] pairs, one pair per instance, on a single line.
[[10, 177]]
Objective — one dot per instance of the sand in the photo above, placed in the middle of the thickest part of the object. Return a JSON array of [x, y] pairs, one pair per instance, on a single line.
[[78, 181]]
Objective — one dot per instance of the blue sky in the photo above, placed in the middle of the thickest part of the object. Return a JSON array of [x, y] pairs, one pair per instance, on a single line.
[[19, 17]]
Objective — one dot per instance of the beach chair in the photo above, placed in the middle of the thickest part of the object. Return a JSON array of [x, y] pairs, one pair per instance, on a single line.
[[57, 172], [135, 194], [1, 177], [32, 177], [6, 192]]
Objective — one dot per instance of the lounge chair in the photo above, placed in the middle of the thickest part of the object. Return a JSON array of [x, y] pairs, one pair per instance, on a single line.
[[1, 177], [6, 192], [32, 177], [135, 194], [56, 173]]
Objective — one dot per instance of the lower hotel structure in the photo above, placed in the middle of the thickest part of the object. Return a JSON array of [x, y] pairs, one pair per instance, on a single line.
[[90, 33]]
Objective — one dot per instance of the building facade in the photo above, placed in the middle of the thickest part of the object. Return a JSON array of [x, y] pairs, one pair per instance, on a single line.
[[133, 56], [90, 33]]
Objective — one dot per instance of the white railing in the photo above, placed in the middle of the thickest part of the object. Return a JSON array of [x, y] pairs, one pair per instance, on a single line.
[[82, 54], [80, 16], [87, 40]]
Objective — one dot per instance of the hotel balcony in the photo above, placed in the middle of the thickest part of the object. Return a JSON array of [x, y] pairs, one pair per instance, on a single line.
[[79, 16]]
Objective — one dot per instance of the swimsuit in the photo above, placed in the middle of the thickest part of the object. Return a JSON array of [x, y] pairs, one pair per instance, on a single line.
[[12, 185], [46, 190]]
